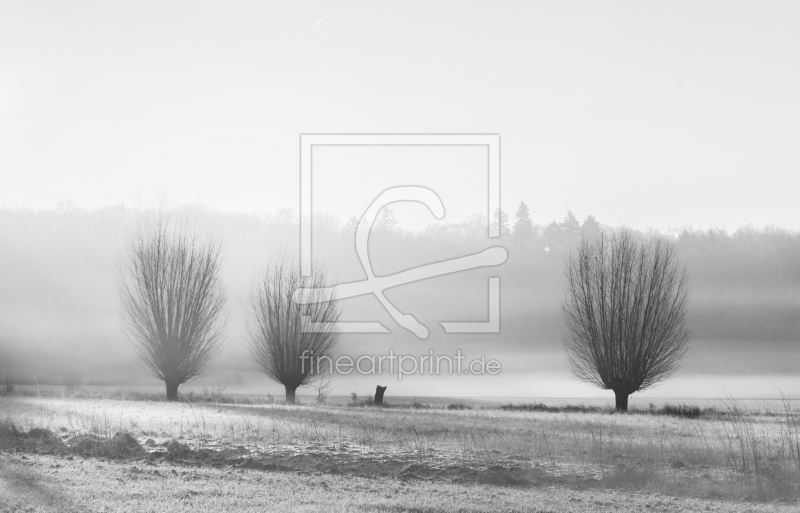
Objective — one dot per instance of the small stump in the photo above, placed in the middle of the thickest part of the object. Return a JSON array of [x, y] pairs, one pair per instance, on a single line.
[[379, 390]]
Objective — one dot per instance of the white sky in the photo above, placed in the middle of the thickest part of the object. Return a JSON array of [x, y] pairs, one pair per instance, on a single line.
[[655, 114]]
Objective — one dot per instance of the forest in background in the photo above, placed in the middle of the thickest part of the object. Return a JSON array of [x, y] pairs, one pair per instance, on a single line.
[[60, 316]]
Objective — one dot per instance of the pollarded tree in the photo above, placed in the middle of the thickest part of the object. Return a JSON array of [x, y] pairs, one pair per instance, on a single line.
[[624, 312], [293, 343], [173, 299]]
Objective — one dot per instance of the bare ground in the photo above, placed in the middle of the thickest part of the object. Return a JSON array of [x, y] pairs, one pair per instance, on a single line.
[[34, 483]]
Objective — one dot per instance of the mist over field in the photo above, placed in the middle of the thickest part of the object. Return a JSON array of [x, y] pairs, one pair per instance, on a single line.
[[582, 246], [649, 116], [60, 317]]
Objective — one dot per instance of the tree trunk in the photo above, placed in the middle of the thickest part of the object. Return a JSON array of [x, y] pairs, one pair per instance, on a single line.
[[379, 390], [622, 401], [172, 390], [290, 394]]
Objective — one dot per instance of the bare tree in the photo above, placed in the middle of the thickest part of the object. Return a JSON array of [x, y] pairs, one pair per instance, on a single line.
[[293, 343], [624, 312], [173, 299]]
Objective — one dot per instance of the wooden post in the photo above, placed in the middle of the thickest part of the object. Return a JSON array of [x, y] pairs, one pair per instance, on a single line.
[[379, 390]]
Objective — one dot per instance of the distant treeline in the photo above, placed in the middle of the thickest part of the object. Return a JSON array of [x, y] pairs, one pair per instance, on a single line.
[[42, 243], [59, 297], [769, 254]]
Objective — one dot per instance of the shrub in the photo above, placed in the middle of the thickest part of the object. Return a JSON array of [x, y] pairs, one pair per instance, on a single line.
[[688, 411], [458, 406], [569, 408], [368, 401]]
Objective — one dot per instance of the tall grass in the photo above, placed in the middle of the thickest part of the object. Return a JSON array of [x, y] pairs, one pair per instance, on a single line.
[[767, 464]]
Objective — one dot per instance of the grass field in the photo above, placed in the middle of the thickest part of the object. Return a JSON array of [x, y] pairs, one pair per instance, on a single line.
[[412, 458]]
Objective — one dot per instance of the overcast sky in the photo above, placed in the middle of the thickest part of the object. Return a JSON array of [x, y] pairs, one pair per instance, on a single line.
[[655, 114]]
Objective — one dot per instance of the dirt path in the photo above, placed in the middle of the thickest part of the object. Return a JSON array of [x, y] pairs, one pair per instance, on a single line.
[[34, 483]]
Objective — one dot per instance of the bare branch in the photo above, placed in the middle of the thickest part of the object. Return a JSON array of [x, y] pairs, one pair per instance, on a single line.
[[278, 339], [624, 312], [173, 299]]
